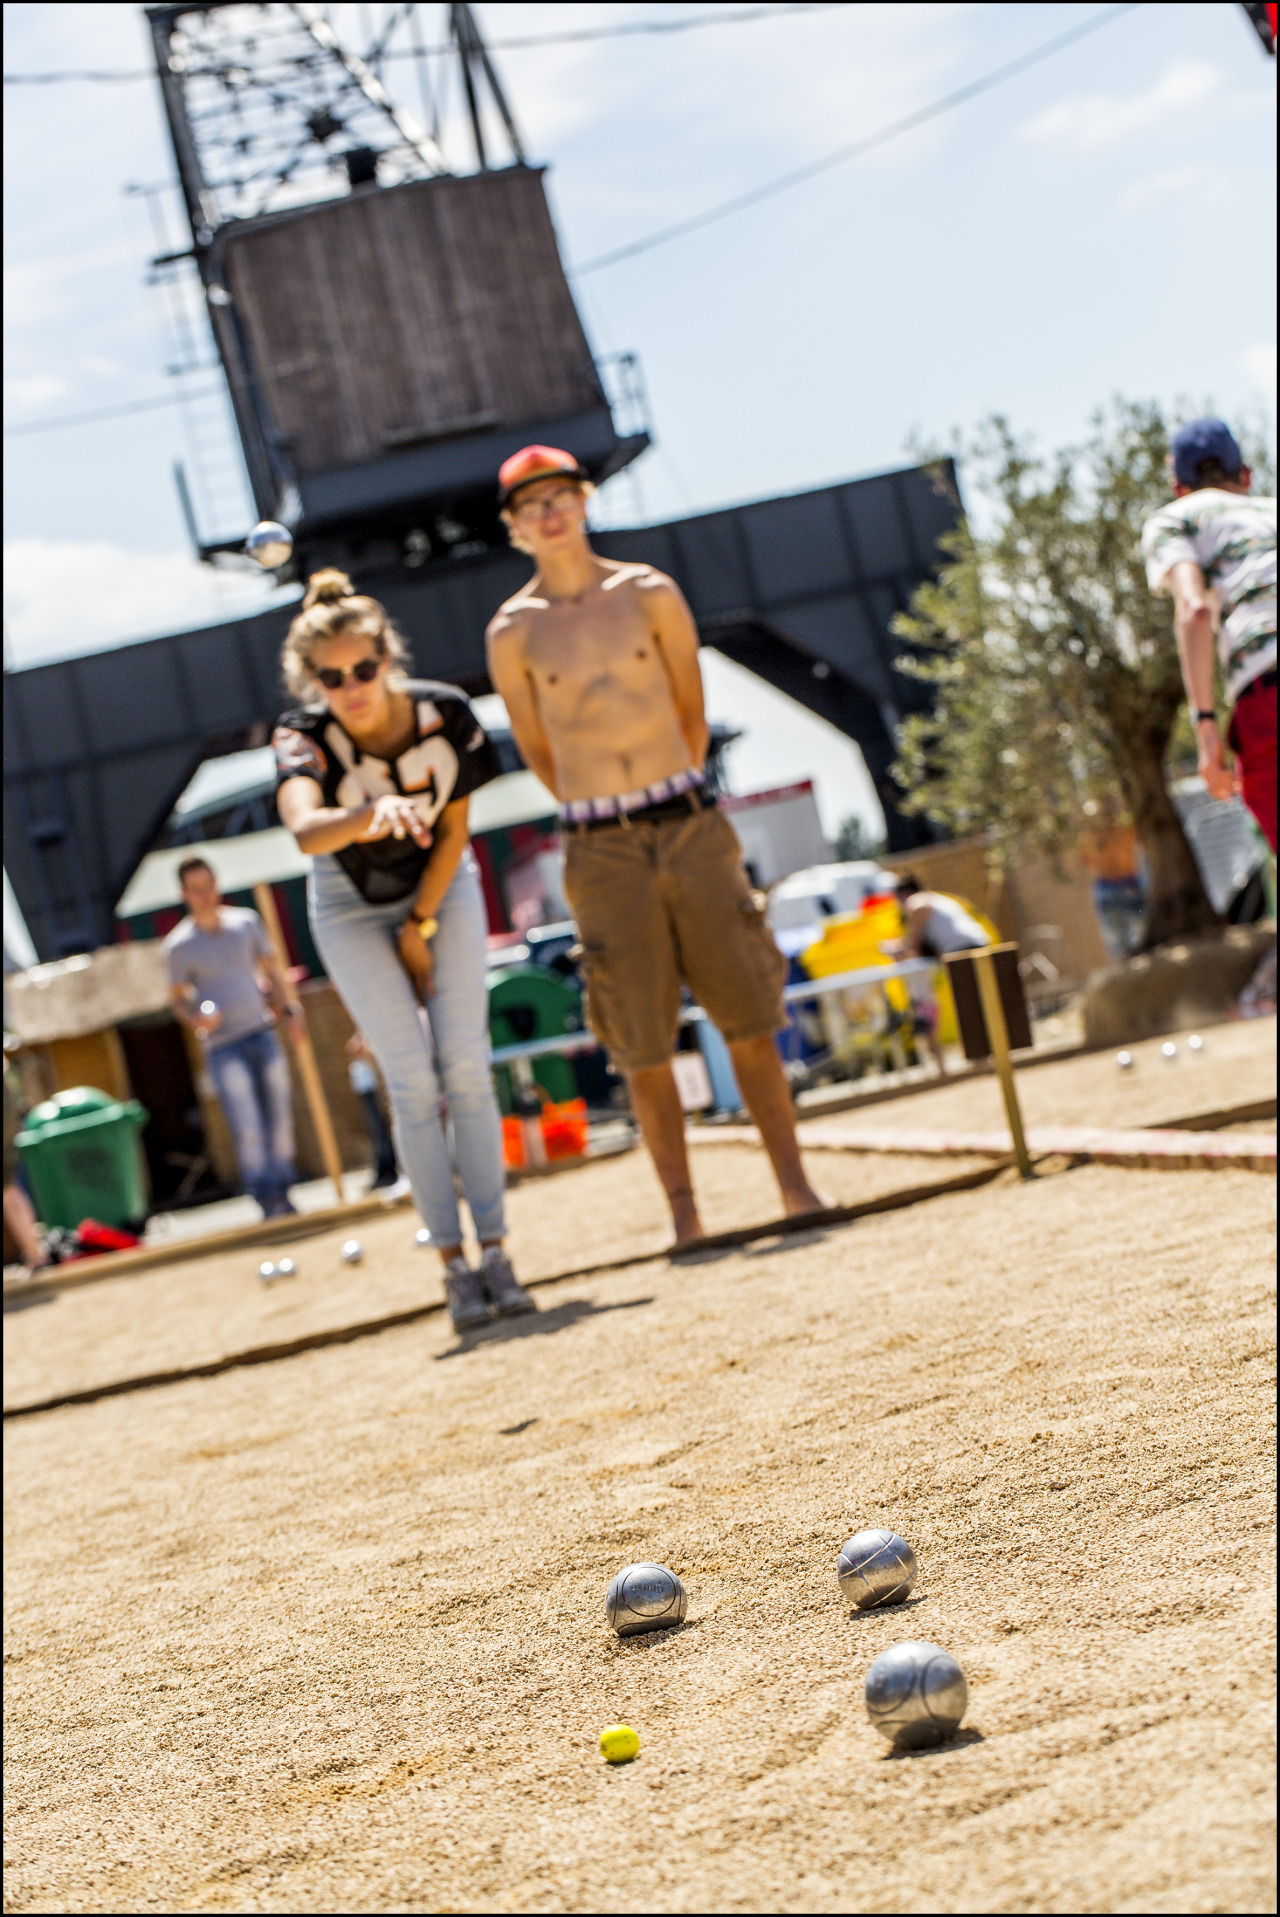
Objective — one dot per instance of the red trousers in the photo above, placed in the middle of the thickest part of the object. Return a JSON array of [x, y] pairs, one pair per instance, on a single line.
[[1253, 739]]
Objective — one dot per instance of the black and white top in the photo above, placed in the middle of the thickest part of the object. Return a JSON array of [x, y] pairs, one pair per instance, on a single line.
[[451, 756]]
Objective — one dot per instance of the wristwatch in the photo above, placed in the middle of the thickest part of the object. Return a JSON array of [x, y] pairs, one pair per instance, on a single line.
[[1200, 716], [426, 928]]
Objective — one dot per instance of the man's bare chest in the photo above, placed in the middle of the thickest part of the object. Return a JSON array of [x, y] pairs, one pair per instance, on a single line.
[[572, 646]]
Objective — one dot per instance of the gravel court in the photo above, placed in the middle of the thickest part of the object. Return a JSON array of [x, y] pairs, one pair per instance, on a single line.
[[195, 1311], [1237, 1063], [329, 1634]]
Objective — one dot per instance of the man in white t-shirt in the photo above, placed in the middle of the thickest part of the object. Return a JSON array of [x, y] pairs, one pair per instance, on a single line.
[[933, 923], [1214, 550]]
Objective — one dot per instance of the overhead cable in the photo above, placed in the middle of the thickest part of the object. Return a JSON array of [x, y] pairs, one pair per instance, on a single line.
[[108, 412], [857, 148], [659, 238], [618, 30]]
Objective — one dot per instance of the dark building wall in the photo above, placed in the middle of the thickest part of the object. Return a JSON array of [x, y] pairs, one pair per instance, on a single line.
[[800, 589]]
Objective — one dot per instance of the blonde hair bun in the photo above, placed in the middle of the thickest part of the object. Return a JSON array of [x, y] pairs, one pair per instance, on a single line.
[[333, 606], [326, 587]]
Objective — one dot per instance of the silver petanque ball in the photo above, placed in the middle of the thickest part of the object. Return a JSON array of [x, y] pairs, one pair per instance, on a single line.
[[286, 1268], [645, 1597], [916, 1695], [1168, 1051], [1195, 1043], [270, 544], [876, 1567], [352, 1252], [1125, 1061], [267, 1272], [422, 1238]]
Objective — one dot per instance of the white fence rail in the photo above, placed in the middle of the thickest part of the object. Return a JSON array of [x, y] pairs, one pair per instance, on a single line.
[[567, 1044]]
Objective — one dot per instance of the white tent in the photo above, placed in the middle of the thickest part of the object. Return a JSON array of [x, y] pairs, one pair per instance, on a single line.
[[254, 858]]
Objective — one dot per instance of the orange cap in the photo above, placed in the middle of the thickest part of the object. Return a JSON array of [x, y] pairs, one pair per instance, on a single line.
[[535, 462]]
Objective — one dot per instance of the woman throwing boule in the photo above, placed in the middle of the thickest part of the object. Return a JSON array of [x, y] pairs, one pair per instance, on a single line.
[[374, 773]]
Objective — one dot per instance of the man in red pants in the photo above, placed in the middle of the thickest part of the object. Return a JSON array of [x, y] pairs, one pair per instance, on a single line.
[[1214, 549]]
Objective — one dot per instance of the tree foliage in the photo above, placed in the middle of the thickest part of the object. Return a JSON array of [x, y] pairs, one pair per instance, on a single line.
[[855, 839], [1054, 668]]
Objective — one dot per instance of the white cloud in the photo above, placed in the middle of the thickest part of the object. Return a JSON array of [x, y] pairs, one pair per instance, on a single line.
[[1097, 119], [1192, 185], [63, 597], [34, 293], [1259, 362], [665, 143], [36, 391], [37, 292]]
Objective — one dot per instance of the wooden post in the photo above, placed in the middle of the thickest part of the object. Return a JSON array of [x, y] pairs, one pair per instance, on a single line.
[[317, 1103], [998, 1034]]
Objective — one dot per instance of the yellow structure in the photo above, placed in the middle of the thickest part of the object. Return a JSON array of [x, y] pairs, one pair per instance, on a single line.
[[853, 941]]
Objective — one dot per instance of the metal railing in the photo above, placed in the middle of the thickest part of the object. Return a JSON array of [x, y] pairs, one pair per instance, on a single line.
[[567, 1044]]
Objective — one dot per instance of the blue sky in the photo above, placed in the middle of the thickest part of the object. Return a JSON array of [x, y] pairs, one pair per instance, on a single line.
[[1101, 224]]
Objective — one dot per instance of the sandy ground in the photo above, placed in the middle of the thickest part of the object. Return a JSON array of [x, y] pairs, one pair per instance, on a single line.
[[1237, 1064], [328, 1634], [200, 1309]]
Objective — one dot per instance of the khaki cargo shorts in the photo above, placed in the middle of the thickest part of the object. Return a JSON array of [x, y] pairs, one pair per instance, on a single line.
[[661, 902]]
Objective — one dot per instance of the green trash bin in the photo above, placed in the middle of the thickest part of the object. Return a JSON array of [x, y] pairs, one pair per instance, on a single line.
[[82, 1153], [528, 1002]]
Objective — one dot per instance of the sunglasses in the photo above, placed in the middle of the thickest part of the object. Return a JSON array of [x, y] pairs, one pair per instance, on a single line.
[[559, 501], [333, 678]]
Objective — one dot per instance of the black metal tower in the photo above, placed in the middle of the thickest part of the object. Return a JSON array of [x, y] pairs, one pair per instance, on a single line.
[[390, 331], [390, 327]]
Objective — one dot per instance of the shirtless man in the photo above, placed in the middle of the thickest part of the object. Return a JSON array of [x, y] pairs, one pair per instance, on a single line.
[[598, 665]]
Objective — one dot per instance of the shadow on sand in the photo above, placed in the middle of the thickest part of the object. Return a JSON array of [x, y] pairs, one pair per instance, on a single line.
[[887, 1610], [23, 1300], [966, 1735], [540, 1324]]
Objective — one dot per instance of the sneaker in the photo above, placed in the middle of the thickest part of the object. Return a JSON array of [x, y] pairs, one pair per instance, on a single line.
[[463, 1294], [506, 1294]]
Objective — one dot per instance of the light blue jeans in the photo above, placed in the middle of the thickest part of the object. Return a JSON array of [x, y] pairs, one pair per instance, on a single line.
[[435, 1063], [251, 1078]]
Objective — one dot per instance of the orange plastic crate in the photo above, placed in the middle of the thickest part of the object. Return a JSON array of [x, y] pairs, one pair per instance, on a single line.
[[564, 1133]]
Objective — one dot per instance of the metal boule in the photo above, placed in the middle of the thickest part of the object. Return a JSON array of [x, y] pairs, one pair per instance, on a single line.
[[876, 1567], [1125, 1061], [422, 1237], [267, 1271], [286, 1268], [916, 1695], [352, 1252], [1168, 1051], [645, 1597], [270, 543]]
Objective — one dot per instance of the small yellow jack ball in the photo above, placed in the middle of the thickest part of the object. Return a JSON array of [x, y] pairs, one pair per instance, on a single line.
[[618, 1743]]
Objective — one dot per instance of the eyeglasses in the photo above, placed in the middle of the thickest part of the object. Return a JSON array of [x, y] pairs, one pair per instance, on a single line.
[[560, 501], [333, 678]]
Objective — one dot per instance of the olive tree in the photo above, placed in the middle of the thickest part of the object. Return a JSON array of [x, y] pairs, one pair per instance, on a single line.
[[1054, 669]]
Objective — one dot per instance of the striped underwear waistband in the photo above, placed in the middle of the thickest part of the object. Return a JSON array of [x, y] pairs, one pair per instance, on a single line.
[[579, 811]]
